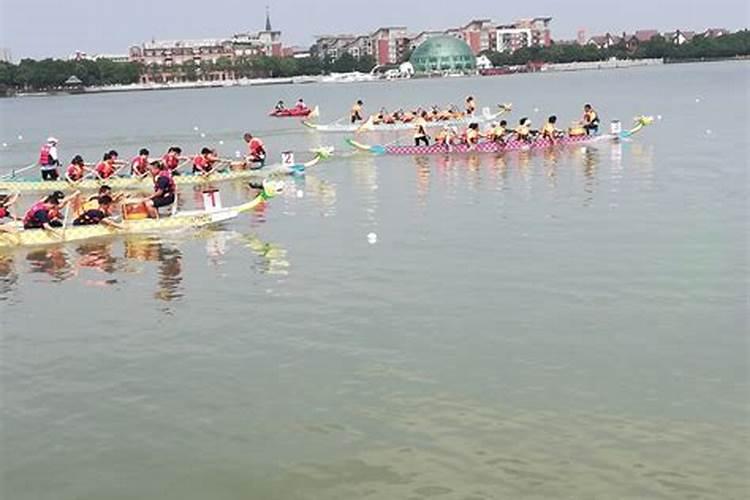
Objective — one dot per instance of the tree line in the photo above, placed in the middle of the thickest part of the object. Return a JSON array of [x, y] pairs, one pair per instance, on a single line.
[[700, 47]]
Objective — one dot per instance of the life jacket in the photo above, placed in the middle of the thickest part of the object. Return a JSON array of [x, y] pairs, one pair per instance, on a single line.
[[105, 170], [472, 136], [139, 165], [202, 163], [75, 172], [4, 212], [31, 212], [168, 174], [420, 128], [171, 161], [548, 129], [45, 159], [591, 118], [255, 146]]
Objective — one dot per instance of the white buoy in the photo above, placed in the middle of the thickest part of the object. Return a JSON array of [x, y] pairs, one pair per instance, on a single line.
[[203, 135], [697, 99], [708, 131], [237, 154], [196, 128], [221, 143], [372, 238], [300, 193], [20, 137], [658, 117], [5, 144], [536, 110]]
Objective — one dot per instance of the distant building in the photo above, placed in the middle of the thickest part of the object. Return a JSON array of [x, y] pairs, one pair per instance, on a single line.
[[639, 37], [715, 32], [5, 55], [483, 63], [604, 41], [679, 37], [509, 38], [581, 37], [443, 54], [389, 45]]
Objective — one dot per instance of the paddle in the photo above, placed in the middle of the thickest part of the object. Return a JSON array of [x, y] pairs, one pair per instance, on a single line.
[[13, 172]]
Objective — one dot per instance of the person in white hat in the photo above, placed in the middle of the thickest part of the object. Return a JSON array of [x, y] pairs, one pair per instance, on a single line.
[[49, 161]]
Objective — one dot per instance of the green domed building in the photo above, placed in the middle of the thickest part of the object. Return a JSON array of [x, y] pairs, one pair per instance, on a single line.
[[443, 53]]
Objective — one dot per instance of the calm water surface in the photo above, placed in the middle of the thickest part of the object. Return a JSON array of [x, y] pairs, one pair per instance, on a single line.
[[556, 324]]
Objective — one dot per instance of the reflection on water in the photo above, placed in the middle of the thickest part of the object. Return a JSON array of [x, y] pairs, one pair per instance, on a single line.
[[468, 172], [8, 277], [87, 262], [169, 259], [53, 262]]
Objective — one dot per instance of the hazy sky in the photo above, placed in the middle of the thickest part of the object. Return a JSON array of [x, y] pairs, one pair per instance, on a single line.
[[42, 28]]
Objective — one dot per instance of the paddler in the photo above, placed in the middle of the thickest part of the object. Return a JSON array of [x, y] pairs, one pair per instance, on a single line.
[[203, 164], [6, 202], [498, 131], [76, 170], [172, 158], [49, 161], [92, 202], [444, 136], [590, 120], [300, 104], [550, 131], [45, 214], [139, 164], [356, 112], [256, 149], [471, 105], [420, 130], [280, 106], [164, 189], [107, 167], [473, 135], [523, 130], [99, 215]]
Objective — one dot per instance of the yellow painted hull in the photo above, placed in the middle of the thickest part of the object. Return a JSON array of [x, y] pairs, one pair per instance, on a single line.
[[33, 237]]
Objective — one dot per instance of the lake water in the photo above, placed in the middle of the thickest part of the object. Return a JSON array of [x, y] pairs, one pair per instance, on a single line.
[[556, 324]]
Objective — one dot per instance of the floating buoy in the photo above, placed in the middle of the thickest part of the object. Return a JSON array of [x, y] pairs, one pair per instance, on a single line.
[[697, 99], [372, 238], [536, 110], [658, 117], [203, 134], [20, 137], [708, 131], [5, 144], [196, 128], [237, 154], [300, 193], [221, 143]]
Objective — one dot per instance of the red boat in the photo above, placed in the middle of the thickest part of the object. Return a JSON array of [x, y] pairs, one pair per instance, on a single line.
[[291, 112]]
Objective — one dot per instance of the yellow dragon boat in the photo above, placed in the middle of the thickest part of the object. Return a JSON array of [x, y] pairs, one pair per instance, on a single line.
[[185, 219], [146, 183]]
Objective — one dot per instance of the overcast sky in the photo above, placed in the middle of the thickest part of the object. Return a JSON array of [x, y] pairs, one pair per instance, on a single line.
[[43, 28]]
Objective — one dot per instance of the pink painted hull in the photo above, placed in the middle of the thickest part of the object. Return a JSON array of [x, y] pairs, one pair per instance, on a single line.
[[493, 147]]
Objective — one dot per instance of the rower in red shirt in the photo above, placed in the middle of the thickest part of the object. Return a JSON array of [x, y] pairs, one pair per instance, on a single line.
[[172, 158], [107, 168], [139, 166], [256, 150], [203, 164], [76, 170]]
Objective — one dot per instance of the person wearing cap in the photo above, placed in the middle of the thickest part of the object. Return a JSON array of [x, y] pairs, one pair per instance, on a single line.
[[45, 214], [49, 161]]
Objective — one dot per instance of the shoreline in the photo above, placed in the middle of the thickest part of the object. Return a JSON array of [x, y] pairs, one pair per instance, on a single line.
[[342, 78]]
